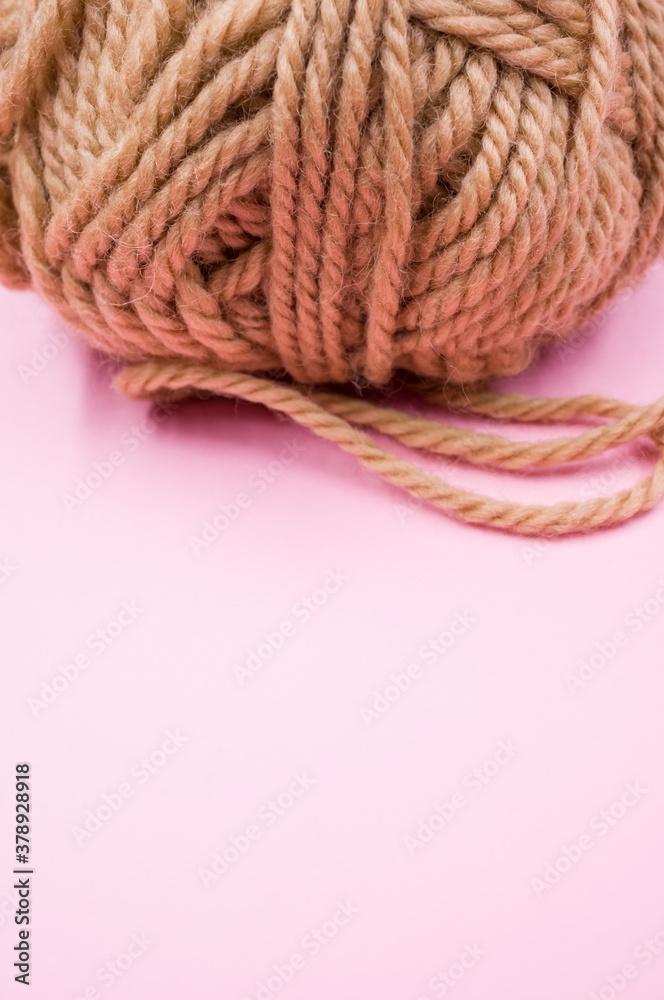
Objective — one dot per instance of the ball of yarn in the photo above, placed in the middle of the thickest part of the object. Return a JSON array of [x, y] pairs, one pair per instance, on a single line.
[[239, 195], [335, 188]]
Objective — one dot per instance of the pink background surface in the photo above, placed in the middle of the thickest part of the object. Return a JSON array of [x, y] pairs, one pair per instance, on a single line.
[[400, 857]]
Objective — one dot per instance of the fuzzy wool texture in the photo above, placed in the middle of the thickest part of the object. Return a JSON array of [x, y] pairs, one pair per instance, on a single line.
[[217, 191]]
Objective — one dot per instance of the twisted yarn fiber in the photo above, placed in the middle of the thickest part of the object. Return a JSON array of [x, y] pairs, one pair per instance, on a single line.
[[337, 190]]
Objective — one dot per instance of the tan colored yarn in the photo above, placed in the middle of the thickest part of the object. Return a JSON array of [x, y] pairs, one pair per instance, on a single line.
[[339, 190]]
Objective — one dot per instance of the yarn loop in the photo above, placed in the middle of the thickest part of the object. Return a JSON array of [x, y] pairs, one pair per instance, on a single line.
[[265, 197]]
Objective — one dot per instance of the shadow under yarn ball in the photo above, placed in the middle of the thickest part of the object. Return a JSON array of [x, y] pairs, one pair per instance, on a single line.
[[335, 190]]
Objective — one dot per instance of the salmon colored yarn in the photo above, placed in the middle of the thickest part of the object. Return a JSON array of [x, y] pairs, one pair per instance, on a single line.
[[262, 198]]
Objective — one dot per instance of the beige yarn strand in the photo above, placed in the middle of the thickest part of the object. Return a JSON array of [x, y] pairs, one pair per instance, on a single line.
[[331, 416]]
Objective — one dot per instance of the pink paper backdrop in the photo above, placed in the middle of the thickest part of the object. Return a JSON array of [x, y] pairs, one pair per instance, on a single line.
[[333, 745]]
